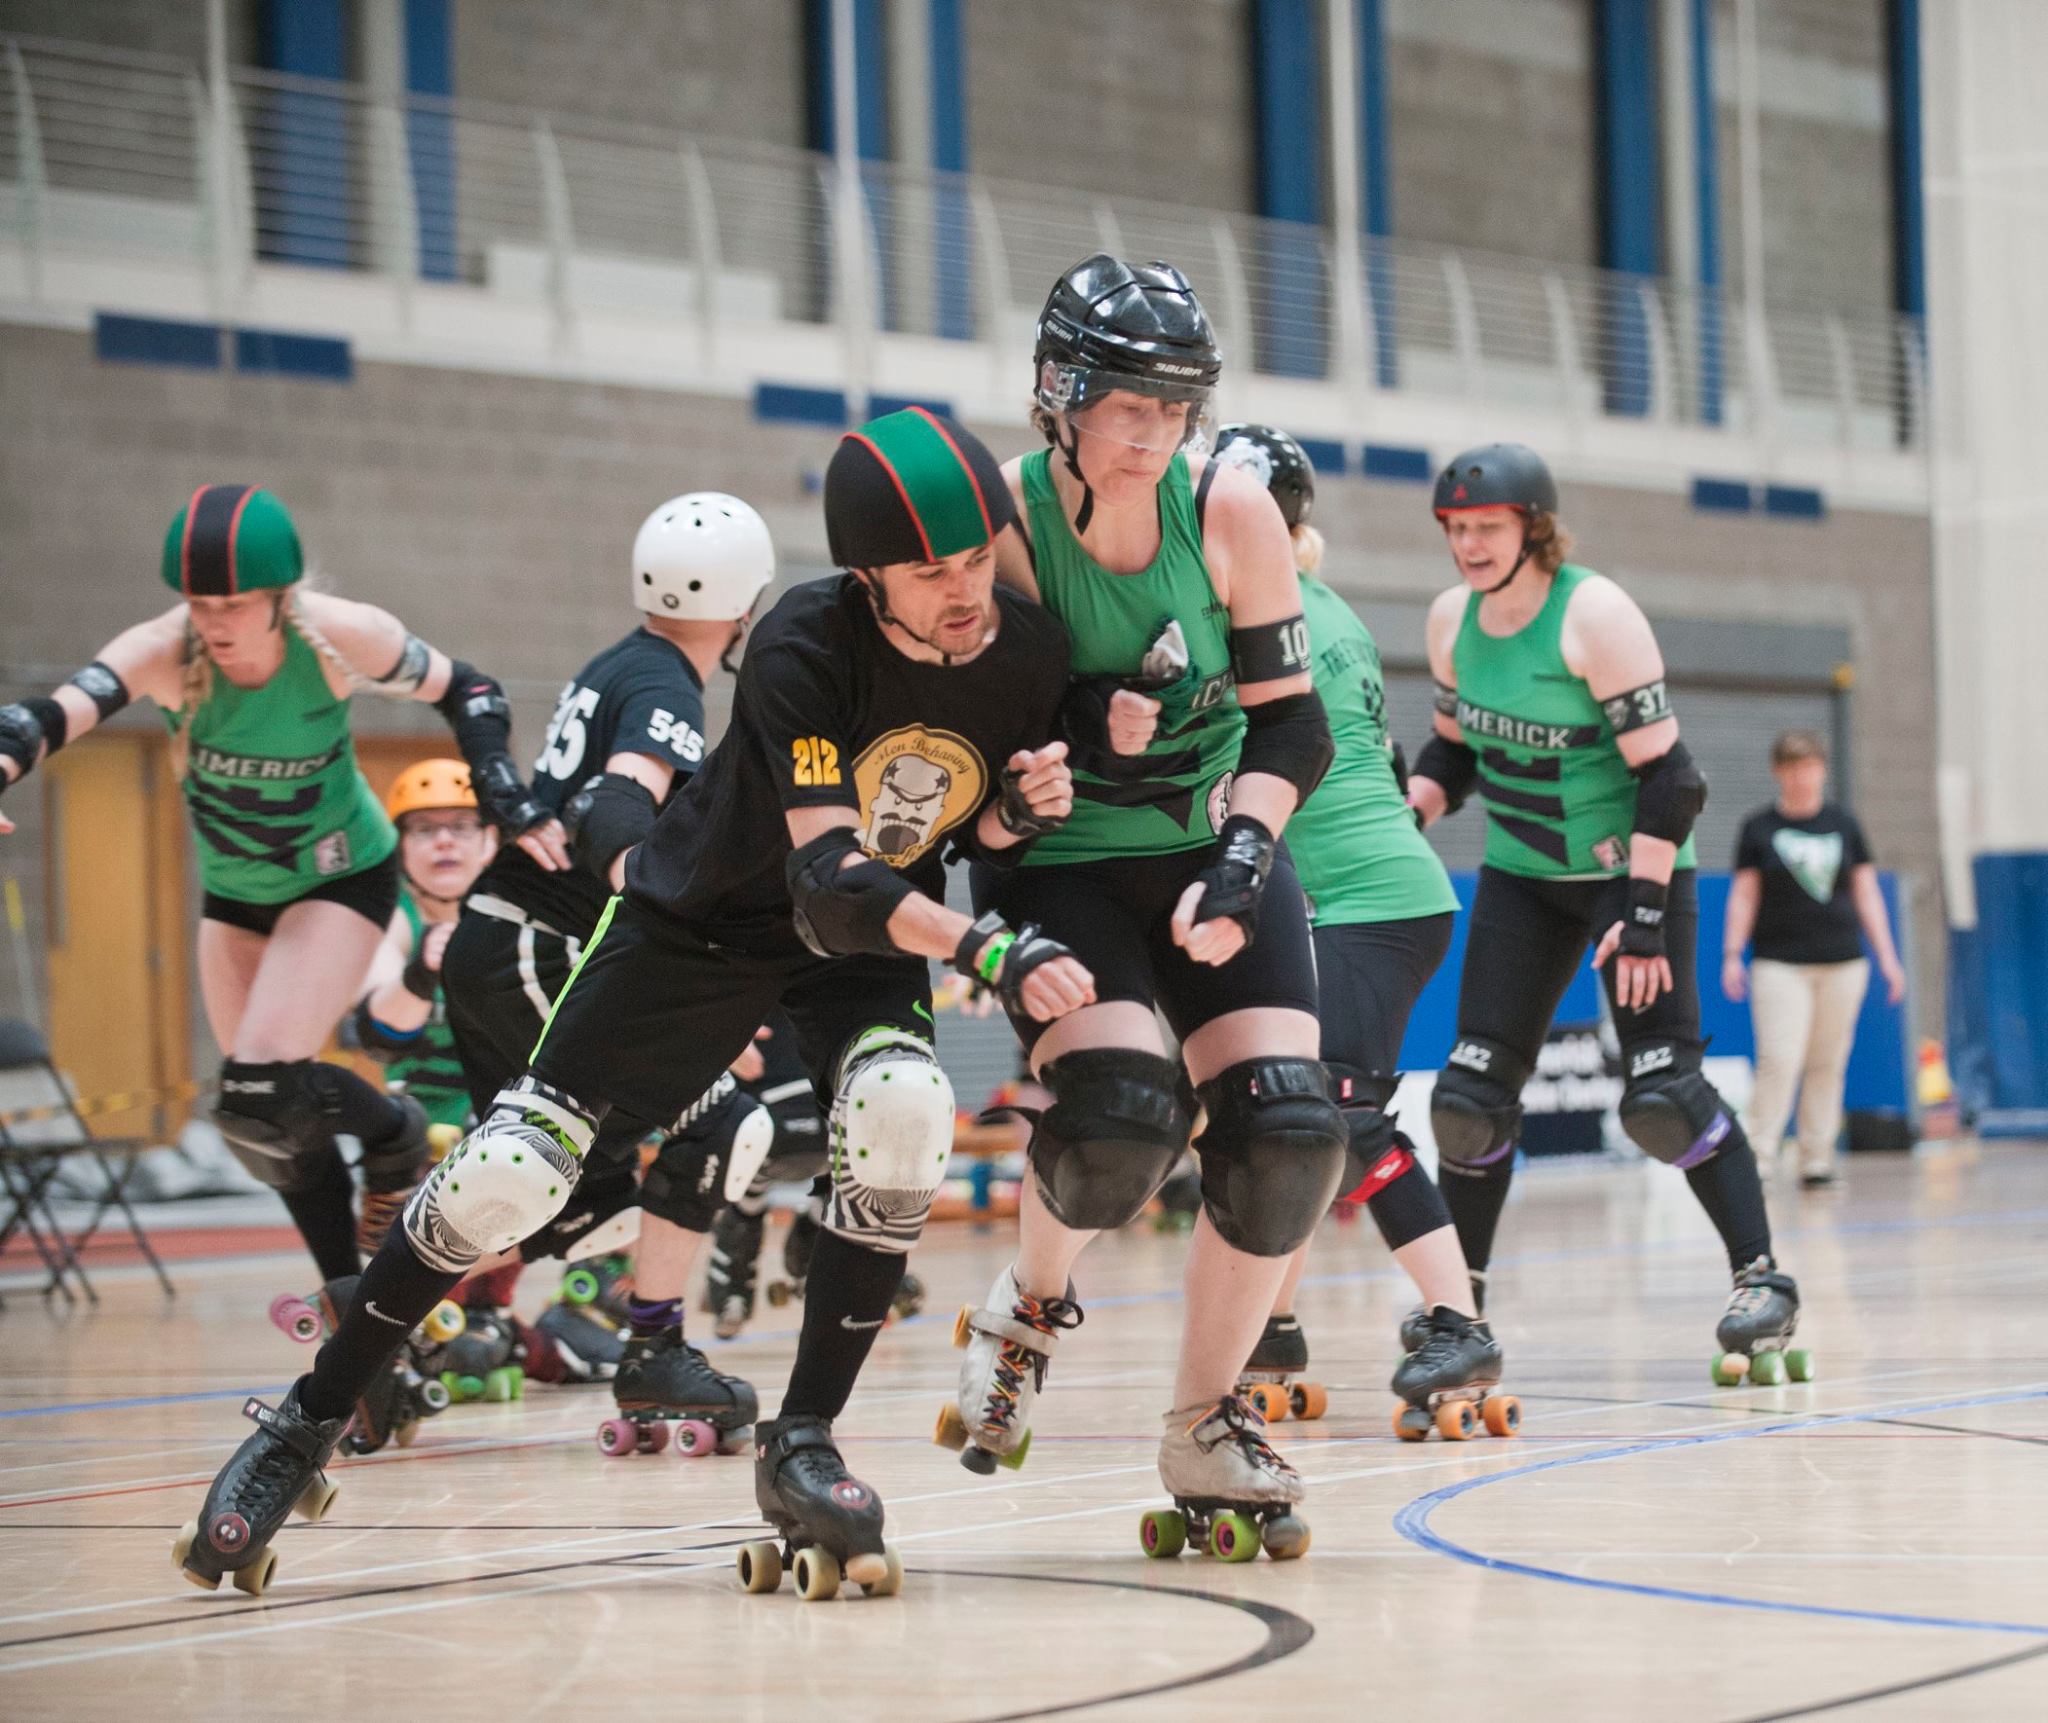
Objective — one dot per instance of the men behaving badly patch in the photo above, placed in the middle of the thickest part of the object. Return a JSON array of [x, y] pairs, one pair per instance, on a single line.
[[915, 785], [1814, 859]]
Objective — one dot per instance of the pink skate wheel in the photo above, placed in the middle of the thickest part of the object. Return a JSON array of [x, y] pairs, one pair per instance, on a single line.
[[695, 1438], [653, 1437], [296, 1317], [618, 1437]]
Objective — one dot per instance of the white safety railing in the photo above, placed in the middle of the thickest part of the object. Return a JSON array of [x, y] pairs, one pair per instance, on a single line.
[[132, 157]]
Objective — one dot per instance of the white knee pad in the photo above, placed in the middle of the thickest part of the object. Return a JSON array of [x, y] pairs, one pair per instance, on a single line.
[[751, 1144], [892, 1131], [508, 1178]]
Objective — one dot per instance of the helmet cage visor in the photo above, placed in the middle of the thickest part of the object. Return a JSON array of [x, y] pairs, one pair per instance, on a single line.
[[1081, 394]]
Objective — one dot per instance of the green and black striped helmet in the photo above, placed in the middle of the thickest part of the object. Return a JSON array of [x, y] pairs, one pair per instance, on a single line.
[[229, 539], [912, 486]]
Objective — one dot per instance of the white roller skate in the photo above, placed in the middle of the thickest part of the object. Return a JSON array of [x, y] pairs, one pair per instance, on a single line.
[[1232, 1492], [1008, 1346], [1756, 1329]]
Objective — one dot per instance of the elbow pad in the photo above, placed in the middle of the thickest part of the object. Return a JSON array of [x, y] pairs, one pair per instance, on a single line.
[[481, 717], [843, 911], [380, 1041], [1670, 793], [1289, 738], [611, 813], [1450, 765]]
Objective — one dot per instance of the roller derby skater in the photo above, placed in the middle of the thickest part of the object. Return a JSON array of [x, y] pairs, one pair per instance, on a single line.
[[278, 1471], [254, 674], [1197, 731], [1551, 702], [1762, 1313], [409, 1389], [1381, 908], [1233, 1494], [830, 1522]]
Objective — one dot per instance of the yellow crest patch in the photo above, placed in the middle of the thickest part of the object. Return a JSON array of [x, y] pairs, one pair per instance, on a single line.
[[915, 785]]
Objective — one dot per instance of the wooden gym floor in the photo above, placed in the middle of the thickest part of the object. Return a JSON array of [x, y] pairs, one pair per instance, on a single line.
[[1872, 1544]]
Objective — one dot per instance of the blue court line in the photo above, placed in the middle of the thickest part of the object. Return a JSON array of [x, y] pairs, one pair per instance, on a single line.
[[145, 1400], [1412, 1522]]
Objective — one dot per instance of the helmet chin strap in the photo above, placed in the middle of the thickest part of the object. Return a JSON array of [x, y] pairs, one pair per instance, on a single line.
[[883, 614], [424, 892], [1071, 448], [1506, 580]]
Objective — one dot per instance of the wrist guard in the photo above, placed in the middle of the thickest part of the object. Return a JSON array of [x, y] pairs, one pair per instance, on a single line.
[[1235, 877]]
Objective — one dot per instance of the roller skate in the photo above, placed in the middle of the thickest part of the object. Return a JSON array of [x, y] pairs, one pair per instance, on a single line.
[[407, 1390], [729, 1280], [1762, 1312], [487, 1361], [1451, 1383], [1232, 1492], [1008, 1347], [804, 1227], [664, 1381], [569, 1343], [1415, 1325], [278, 1470], [1267, 1379], [830, 1522]]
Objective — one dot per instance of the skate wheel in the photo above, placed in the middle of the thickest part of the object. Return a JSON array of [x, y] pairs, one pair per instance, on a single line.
[[255, 1578], [296, 1317], [951, 1429], [1014, 1459], [1767, 1370], [963, 1327], [1233, 1537], [1729, 1370], [778, 1293], [406, 1434], [652, 1437], [1456, 1421], [465, 1388], [1412, 1424], [617, 1437], [1269, 1399], [1309, 1400], [504, 1383], [877, 1574], [1799, 1364], [694, 1439], [816, 1574], [442, 1141], [433, 1397], [1163, 1532], [315, 1499], [760, 1566], [445, 1322], [581, 1286], [979, 1461], [181, 1547], [1285, 1537], [1502, 1414]]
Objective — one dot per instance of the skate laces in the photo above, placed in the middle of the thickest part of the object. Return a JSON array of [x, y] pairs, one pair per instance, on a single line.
[[1441, 1341], [1244, 1428], [1015, 1360], [1755, 1286]]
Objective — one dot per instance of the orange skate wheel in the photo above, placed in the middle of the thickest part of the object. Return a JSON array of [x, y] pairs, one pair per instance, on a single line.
[[1456, 1421], [1411, 1423], [1309, 1400], [1270, 1399], [1503, 1415], [951, 1429], [963, 1327]]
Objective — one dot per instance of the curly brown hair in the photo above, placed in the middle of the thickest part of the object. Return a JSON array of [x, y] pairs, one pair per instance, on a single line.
[[1550, 541]]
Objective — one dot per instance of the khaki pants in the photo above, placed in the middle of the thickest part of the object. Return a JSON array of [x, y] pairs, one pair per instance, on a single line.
[[1805, 1017]]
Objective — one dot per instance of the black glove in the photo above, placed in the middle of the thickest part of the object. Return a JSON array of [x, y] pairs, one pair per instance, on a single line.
[[1236, 874], [1642, 923], [421, 980], [997, 957], [504, 798], [1014, 814]]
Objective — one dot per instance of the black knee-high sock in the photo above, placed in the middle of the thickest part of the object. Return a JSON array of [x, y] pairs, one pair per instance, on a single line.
[[1731, 1190], [1407, 1206], [1475, 1200], [324, 1213], [360, 1108], [392, 1299], [846, 1301]]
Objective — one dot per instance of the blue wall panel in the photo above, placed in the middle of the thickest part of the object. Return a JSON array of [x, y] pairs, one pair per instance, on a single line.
[[1286, 74], [1629, 206], [305, 180], [430, 132]]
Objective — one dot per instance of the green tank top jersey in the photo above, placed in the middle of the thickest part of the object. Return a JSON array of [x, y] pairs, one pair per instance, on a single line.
[[1170, 798], [428, 1069], [1354, 841], [1560, 802], [277, 803]]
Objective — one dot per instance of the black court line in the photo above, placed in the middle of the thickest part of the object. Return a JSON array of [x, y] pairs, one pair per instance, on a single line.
[[1964, 1430], [1286, 1633], [1871, 1694]]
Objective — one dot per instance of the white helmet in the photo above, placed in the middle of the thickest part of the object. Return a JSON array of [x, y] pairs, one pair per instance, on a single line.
[[703, 557]]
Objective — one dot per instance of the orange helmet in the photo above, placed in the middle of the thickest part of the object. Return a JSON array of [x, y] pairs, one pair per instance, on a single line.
[[430, 784]]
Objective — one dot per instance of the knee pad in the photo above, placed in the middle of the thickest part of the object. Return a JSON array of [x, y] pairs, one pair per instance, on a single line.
[[1362, 1097], [1476, 1108], [892, 1132], [1116, 1128], [602, 1215], [397, 1163], [271, 1118], [511, 1176], [1273, 1154], [1671, 1112], [710, 1161]]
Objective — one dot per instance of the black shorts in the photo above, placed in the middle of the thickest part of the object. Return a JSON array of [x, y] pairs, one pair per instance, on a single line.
[[1116, 916], [1528, 936], [656, 1011], [1369, 975], [372, 892]]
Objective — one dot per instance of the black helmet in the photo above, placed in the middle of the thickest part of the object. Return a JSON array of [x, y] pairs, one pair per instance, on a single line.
[[1108, 324], [1277, 461], [1496, 475]]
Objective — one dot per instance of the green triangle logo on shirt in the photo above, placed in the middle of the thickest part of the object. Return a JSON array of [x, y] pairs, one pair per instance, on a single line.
[[1814, 859]]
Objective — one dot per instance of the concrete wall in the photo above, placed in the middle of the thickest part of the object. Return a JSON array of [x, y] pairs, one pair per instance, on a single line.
[[139, 26]]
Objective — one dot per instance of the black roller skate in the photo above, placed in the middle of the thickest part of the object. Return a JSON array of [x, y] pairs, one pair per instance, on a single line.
[[487, 1360], [408, 1389], [804, 1227], [1762, 1312], [664, 1380], [1233, 1494], [1415, 1325], [1268, 1377], [281, 1468], [1451, 1383], [829, 1521], [603, 1284], [572, 1344], [729, 1280]]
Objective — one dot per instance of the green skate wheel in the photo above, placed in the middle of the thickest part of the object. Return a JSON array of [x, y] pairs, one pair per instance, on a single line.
[[760, 1566], [1233, 1536], [1729, 1369], [1799, 1364], [1015, 1457], [581, 1286], [1163, 1532], [1767, 1370]]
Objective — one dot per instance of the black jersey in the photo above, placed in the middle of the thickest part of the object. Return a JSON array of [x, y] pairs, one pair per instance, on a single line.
[[829, 714], [640, 695]]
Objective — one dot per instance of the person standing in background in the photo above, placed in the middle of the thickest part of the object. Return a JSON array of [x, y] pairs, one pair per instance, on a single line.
[[1804, 885]]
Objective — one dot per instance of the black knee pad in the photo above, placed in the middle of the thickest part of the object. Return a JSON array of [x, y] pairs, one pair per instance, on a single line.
[[272, 1119], [1476, 1107], [1115, 1129], [1363, 1098], [1671, 1112], [709, 1162], [1273, 1154]]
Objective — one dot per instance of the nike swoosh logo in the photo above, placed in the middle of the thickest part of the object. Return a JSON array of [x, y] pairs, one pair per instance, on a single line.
[[923, 1011], [370, 1304], [848, 1322]]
